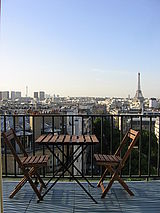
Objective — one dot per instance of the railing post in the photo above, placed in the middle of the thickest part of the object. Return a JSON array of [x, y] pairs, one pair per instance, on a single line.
[[53, 145], [72, 144], [101, 141], [15, 164], [33, 136], [82, 145], [158, 153], [101, 135], [140, 144], [1, 189], [92, 148], [5, 149], [111, 135], [130, 157], [149, 147]]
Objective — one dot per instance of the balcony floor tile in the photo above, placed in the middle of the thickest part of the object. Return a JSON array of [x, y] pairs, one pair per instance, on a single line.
[[69, 197]]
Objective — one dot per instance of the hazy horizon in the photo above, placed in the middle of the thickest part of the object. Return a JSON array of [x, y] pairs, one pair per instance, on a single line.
[[80, 48]]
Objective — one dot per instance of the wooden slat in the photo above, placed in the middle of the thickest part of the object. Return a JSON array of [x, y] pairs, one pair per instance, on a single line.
[[131, 136], [60, 139], [27, 159], [94, 139], [53, 139], [42, 158], [41, 138], [81, 139], [36, 160], [67, 139], [74, 138], [101, 157], [132, 131], [107, 158], [87, 139], [46, 158], [10, 137], [23, 159], [96, 157], [113, 158], [46, 139], [32, 159], [110, 158]]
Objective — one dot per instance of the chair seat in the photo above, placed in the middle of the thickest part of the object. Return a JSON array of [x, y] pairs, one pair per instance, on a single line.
[[35, 161], [103, 159]]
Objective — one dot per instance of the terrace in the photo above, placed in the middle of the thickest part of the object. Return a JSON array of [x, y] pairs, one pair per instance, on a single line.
[[68, 197], [141, 171]]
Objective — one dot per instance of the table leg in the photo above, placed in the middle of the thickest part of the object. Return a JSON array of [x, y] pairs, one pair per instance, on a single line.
[[65, 168], [81, 173]]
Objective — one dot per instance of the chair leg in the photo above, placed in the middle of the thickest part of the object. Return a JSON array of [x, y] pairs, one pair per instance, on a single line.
[[34, 171], [27, 177], [121, 181], [40, 179], [34, 187], [21, 184], [18, 187], [108, 186], [102, 177], [125, 186]]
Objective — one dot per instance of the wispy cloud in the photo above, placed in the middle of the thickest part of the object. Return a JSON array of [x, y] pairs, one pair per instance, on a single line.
[[99, 70]]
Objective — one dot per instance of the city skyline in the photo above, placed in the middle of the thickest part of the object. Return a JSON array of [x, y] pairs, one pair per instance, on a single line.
[[80, 48]]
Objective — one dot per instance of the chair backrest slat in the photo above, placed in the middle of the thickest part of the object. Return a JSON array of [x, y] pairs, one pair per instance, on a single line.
[[10, 137], [132, 131], [131, 136]]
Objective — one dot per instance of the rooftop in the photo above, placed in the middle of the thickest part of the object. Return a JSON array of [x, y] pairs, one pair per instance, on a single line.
[[69, 197]]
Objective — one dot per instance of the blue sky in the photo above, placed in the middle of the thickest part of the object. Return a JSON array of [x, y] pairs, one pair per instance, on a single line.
[[80, 47]]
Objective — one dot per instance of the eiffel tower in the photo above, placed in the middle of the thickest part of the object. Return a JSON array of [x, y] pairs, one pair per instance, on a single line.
[[139, 95]]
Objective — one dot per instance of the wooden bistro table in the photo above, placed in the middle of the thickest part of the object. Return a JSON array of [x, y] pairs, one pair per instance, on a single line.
[[81, 142]]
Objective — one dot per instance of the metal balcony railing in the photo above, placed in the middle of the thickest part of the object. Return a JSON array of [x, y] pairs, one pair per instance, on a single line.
[[109, 129]]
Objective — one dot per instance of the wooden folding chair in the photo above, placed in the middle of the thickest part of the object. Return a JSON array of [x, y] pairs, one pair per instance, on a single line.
[[28, 164], [115, 163]]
